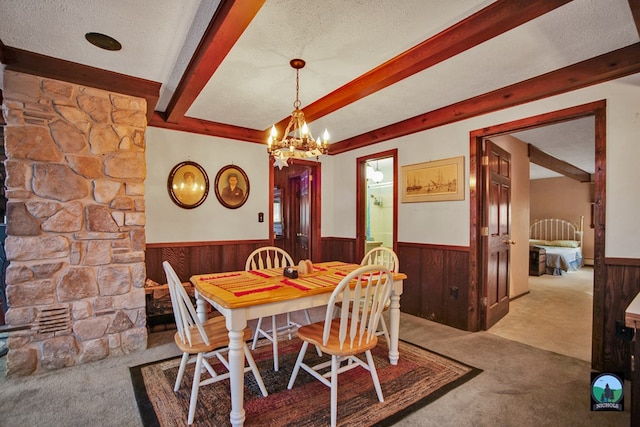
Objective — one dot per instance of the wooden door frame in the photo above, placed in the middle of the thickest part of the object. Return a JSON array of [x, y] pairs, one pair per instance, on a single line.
[[361, 194], [596, 109], [316, 208]]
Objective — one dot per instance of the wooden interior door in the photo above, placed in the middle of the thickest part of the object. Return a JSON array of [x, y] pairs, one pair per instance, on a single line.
[[299, 188], [301, 212], [496, 233]]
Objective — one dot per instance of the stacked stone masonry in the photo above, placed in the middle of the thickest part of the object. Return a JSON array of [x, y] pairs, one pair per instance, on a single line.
[[75, 223]]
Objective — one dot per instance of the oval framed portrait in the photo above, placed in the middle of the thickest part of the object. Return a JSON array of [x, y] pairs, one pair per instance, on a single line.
[[232, 186], [188, 185]]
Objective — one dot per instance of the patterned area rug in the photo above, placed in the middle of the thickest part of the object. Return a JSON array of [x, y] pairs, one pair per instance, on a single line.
[[420, 377]]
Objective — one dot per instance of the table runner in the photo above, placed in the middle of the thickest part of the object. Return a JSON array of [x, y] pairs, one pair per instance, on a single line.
[[240, 284], [314, 282], [244, 283], [267, 272]]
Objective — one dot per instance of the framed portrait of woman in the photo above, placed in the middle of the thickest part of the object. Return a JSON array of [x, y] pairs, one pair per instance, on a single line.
[[188, 185], [232, 186]]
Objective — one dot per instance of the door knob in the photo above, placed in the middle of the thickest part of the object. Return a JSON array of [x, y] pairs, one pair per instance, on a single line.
[[509, 242]]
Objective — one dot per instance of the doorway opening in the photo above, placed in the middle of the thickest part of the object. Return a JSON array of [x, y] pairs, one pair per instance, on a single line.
[[551, 292], [295, 219], [554, 299], [377, 203], [478, 198]]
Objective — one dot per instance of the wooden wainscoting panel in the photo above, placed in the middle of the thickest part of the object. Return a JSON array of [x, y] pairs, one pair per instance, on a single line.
[[192, 258], [411, 265], [621, 287], [339, 249], [432, 272], [437, 282], [456, 297]]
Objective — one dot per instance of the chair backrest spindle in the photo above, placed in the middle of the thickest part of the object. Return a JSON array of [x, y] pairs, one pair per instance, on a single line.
[[362, 295], [183, 311], [382, 256], [268, 257]]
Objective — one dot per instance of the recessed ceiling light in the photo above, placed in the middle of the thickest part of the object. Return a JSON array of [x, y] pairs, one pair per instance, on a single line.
[[103, 41]]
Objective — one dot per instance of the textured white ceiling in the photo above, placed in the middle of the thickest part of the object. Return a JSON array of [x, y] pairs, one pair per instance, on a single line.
[[340, 40], [572, 140]]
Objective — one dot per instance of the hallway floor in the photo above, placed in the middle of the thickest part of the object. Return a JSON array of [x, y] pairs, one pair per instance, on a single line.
[[556, 315]]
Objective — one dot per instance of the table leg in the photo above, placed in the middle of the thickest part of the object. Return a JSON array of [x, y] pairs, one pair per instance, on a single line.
[[236, 380], [394, 328], [201, 308]]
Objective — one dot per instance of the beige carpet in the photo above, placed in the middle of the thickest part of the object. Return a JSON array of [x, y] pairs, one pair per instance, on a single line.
[[556, 315], [513, 390]]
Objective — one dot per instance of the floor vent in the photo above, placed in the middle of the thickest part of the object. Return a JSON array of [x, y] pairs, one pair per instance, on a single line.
[[55, 319]]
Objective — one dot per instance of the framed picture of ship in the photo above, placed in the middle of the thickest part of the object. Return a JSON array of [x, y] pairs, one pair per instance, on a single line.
[[436, 181]]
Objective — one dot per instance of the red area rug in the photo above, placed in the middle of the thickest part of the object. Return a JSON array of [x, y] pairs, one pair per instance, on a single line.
[[420, 377]]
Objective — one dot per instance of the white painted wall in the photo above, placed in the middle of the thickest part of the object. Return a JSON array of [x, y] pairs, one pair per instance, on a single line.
[[447, 222], [211, 221], [443, 223]]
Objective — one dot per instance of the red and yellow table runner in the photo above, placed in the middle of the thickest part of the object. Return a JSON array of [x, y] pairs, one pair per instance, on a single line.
[[242, 288]]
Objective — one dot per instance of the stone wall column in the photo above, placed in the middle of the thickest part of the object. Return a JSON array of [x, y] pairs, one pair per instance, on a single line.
[[75, 223]]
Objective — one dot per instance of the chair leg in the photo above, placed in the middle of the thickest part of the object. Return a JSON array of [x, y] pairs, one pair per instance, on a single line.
[[194, 388], [183, 365], [374, 375], [296, 367], [254, 369], [256, 334], [334, 390]]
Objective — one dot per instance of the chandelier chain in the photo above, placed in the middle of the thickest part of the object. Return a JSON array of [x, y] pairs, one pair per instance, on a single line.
[[297, 103]]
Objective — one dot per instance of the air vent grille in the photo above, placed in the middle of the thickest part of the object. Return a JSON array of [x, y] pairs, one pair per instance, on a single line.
[[54, 319]]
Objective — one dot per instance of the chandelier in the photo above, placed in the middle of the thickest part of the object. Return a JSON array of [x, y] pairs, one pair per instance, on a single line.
[[297, 141]]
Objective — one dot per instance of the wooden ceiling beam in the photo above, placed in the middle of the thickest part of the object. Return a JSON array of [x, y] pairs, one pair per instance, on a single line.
[[619, 63], [23, 61], [227, 25], [205, 127], [495, 19], [545, 160]]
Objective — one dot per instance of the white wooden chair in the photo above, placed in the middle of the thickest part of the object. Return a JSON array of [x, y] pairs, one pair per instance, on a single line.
[[203, 339], [387, 258], [260, 259], [363, 294]]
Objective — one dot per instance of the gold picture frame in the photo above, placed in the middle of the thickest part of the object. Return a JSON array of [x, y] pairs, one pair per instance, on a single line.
[[188, 185], [229, 193], [439, 180]]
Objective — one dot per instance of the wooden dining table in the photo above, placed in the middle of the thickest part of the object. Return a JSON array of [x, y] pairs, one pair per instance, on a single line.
[[244, 295]]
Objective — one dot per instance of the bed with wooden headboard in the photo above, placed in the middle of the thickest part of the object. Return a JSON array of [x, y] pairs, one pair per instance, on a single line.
[[562, 240]]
